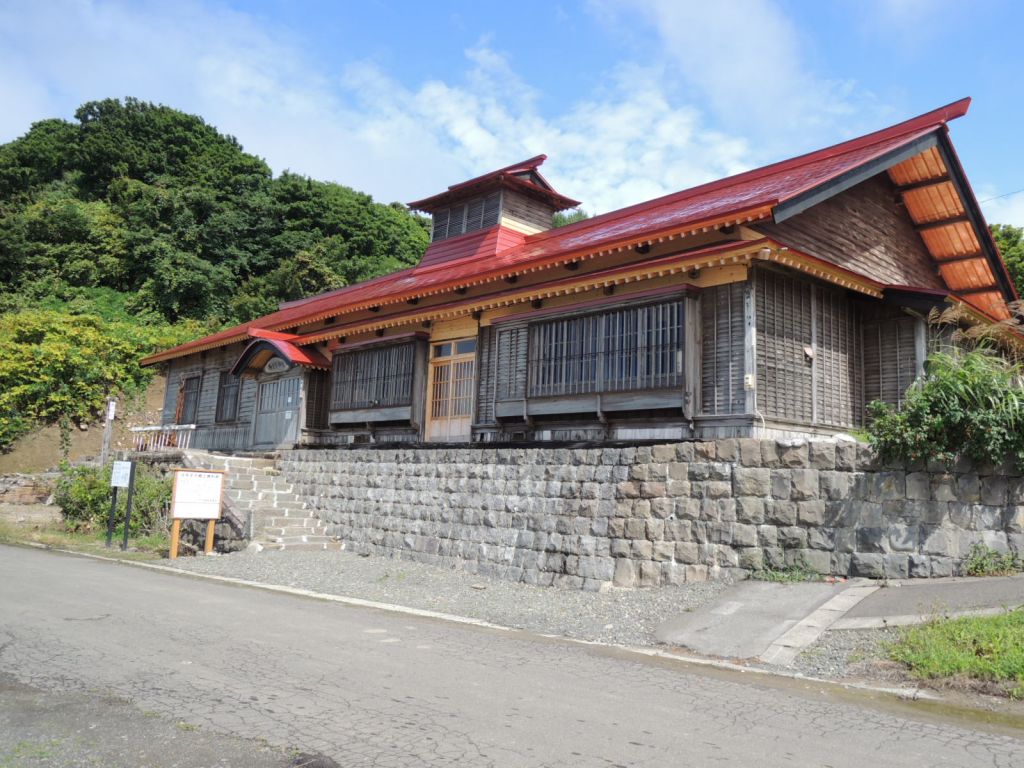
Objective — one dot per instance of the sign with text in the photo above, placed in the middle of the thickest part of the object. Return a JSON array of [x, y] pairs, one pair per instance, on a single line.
[[197, 494], [276, 365], [121, 474]]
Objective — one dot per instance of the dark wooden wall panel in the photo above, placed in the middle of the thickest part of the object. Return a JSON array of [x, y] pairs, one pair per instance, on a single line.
[[863, 229], [722, 349]]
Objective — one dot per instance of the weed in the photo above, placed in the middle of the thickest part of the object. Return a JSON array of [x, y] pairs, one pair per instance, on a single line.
[[797, 571], [183, 726], [989, 649], [985, 561]]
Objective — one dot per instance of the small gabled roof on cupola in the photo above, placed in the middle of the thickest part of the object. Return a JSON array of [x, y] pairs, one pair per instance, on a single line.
[[521, 177]]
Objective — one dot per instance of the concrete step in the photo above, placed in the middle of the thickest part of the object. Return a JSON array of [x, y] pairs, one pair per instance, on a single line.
[[302, 546], [309, 539], [287, 531], [282, 521]]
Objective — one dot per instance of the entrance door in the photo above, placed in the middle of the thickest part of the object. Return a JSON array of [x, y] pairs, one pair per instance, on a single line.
[[452, 383], [277, 412]]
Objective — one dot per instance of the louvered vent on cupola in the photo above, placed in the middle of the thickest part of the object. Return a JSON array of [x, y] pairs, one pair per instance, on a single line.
[[469, 216]]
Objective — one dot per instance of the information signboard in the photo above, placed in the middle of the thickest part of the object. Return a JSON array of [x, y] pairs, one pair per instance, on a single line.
[[196, 494], [120, 474]]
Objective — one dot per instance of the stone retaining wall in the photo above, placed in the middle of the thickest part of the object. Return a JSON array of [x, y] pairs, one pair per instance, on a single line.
[[664, 514], [26, 489]]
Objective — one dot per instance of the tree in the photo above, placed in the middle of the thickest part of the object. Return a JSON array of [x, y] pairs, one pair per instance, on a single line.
[[1011, 245]]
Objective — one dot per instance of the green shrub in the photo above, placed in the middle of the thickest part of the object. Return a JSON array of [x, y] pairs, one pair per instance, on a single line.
[[970, 403], [83, 494], [984, 561]]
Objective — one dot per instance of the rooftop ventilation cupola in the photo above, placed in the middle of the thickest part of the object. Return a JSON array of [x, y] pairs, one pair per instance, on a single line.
[[516, 197]]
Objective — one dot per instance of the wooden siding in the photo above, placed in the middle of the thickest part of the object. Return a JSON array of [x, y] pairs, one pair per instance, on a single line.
[[784, 377], [865, 230], [470, 216], [891, 354], [208, 366], [524, 214], [486, 376], [722, 332], [808, 352]]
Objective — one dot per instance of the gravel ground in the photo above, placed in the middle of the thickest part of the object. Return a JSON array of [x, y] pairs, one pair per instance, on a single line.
[[848, 653], [624, 617]]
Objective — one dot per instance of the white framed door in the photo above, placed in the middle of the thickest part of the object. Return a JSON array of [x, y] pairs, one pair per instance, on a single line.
[[452, 388]]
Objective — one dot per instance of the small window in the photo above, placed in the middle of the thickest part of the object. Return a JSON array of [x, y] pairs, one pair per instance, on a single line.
[[227, 397], [465, 347], [442, 350]]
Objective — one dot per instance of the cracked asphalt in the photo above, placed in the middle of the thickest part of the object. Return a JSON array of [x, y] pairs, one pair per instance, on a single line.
[[374, 688]]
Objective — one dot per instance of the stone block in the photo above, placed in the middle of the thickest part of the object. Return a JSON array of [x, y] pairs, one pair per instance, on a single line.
[[651, 489], [886, 486], [661, 508], [872, 539], [641, 550], [678, 530], [705, 451], [920, 566], [938, 541], [816, 560], [835, 485], [655, 530], [822, 538], [781, 512], [621, 548], [792, 537], [767, 535], [678, 470], [867, 565], [751, 558], [994, 490], [750, 452], [685, 452], [903, 538], [687, 552], [751, 482], [627, 490], [942, 567], [918, 486], [968, 488], [897, 566], [616, 527], [846, 455], [663, 550], [650, 574], [769, 454], [750, 510], [687, 509], [1013, 519], [625, 573], [821, 454], [811, 513], [774, 557], [636, 528], [727, 449], [782, 483], [792, 453], [663, 453], [718, 489], [743, 535]]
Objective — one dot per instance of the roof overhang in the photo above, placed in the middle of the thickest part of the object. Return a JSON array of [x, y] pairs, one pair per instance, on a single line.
[[262, 350]]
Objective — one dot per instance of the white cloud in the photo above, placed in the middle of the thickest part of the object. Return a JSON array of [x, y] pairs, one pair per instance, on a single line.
[[748, 61], [640, 136]]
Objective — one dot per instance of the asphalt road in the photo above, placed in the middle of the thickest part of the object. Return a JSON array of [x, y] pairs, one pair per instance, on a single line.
[[374, 688]]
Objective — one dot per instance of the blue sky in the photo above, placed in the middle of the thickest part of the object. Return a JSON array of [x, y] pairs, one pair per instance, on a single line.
[[629, 99]]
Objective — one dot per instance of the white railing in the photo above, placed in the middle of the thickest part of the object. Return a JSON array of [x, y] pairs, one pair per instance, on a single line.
[[167, 437]]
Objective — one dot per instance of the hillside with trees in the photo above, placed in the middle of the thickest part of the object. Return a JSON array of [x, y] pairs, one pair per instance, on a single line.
[[137, 226]]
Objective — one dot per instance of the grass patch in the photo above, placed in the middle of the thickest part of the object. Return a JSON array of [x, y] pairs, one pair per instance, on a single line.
[[798, 571], [987, 651], [984, 561], [149, 547]]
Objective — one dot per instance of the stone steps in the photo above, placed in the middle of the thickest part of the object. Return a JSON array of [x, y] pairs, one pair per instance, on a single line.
[[302, 546]]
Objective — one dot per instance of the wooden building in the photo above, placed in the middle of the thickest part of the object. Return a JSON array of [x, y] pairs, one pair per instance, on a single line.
[[778, 301]]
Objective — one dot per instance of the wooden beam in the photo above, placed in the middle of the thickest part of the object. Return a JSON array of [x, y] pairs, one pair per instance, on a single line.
[[932, 182], [963, 257], [974, 291], [942, 223]]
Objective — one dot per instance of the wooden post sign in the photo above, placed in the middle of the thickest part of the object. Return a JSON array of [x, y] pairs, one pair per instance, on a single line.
[[196, 495]]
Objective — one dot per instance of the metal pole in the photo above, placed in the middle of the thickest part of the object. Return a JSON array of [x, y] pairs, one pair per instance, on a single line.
[[112, 520], [128, 506]]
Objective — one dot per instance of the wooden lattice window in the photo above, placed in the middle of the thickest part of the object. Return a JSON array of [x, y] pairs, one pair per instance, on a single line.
[[227, 396], [620, 350], [377, 377]]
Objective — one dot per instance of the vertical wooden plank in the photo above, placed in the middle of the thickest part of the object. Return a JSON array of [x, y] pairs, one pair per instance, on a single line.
[[208, 541], [750, 343], [175, 538], [815, 297]]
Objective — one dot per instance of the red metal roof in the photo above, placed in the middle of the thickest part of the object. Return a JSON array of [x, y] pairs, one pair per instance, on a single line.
[[737, 198]]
